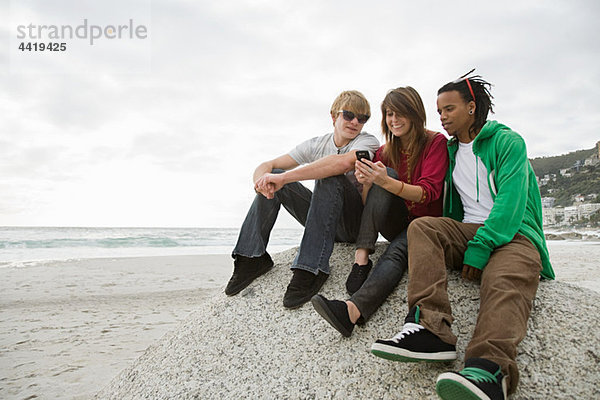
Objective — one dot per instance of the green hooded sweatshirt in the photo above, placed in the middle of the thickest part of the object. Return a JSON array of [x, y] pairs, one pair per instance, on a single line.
[[514, 190]]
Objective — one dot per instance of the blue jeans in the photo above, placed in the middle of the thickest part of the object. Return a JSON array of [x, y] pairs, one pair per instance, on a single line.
[[331, 214], [386, 213]]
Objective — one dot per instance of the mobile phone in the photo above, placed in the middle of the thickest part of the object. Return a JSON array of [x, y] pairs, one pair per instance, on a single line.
[[360, 154]]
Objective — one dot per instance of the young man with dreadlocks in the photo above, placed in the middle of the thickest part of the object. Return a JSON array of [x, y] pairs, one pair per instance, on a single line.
[[492, 230]]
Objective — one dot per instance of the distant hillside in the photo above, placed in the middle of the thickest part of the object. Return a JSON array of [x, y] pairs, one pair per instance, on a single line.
[[552, 165], [564, 189], [585, 181]]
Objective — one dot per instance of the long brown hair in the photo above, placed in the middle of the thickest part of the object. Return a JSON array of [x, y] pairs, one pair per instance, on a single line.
[[406, 102]]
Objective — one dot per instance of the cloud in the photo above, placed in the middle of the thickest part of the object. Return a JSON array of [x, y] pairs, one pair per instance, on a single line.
[[173, 138]]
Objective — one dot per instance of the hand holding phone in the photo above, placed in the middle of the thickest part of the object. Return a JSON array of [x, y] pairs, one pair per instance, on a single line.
[[360, 154]]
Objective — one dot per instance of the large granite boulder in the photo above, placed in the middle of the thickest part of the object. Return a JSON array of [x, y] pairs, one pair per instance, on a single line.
[[250, 346]]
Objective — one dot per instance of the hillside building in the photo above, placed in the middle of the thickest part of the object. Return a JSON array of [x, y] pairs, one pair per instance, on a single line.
[[560, 216], [548, 202]]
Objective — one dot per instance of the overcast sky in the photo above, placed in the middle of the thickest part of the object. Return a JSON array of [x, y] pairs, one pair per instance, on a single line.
[[166, 131]]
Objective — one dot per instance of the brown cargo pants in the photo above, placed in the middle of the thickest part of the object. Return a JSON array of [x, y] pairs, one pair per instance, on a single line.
[[508, 285]]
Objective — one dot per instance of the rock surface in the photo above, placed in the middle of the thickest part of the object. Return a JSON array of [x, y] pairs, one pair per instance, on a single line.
[[250, 346], [588, 236]]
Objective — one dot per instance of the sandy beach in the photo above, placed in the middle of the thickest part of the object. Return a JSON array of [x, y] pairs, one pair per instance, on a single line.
[[69, 327]]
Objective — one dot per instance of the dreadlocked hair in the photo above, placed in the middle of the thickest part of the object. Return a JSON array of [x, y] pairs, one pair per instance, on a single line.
[[483, 98]]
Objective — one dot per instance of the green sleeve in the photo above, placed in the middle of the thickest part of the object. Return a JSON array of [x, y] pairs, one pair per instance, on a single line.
[[506, 216]]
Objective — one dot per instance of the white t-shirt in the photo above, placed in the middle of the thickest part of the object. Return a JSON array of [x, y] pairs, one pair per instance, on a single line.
[[468, 170], [321, 146]]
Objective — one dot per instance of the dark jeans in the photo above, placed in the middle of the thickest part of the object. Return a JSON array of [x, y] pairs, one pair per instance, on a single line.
[[331, 214], [386, 213]]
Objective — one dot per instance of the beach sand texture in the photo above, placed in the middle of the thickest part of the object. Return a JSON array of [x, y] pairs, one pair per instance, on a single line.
[[249, 346], [69, 327]]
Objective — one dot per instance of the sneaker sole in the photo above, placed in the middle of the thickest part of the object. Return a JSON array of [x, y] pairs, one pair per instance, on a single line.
[[247, 282], [403, 355], [452, 386], [324, 311], [298, 302]]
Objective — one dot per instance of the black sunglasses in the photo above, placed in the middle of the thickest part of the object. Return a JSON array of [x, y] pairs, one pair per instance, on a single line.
[[349, 116]]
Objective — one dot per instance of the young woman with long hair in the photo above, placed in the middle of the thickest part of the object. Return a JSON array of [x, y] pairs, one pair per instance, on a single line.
[[403, 182]]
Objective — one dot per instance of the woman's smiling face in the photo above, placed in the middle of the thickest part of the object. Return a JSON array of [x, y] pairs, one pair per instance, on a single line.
[[397, 124]]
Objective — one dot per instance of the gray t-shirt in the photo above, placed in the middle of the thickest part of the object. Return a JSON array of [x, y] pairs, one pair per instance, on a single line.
[[321, 146]]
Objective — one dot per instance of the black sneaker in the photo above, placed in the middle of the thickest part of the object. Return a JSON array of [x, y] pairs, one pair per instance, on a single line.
[[302, 287], [481, 379], [335, 312], [414, 343], [245, 270], [357, 277]]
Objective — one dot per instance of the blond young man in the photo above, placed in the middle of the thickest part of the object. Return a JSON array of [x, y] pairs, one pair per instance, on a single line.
[[331, 213]]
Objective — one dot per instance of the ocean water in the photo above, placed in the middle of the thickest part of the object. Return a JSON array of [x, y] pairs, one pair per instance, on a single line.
[[21, 246]]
